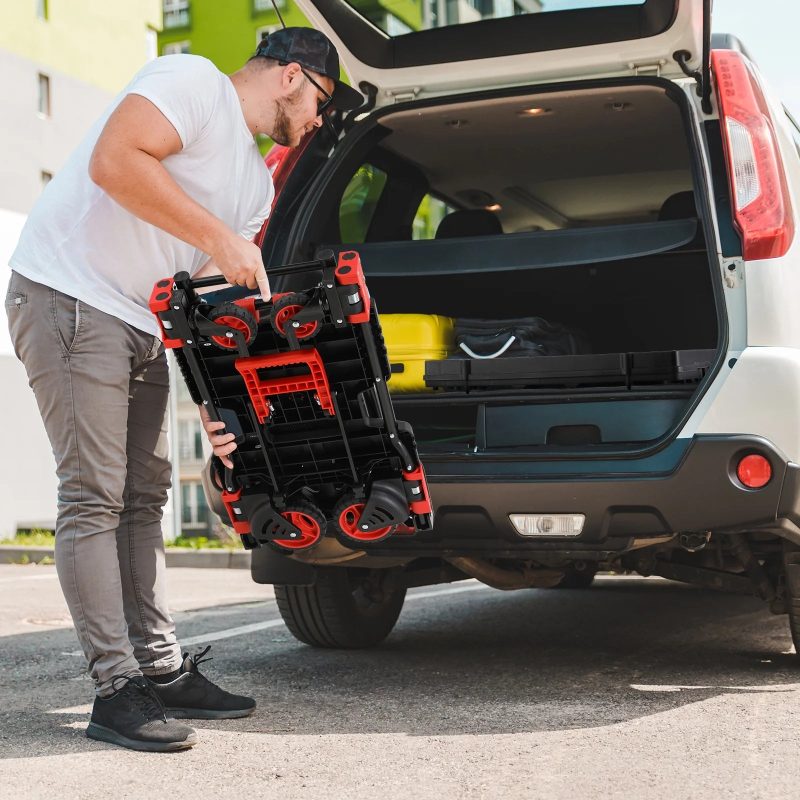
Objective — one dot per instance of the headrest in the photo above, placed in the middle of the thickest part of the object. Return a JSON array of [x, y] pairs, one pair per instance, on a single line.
[[678, 206], [470, 222]]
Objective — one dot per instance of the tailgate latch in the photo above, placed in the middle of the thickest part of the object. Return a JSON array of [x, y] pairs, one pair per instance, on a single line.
[[648, 68]]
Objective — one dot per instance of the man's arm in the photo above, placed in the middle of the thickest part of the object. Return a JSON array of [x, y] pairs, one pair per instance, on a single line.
[[126, 164]]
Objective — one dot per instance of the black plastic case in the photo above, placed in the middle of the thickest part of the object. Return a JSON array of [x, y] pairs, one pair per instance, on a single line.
[[301, 381]]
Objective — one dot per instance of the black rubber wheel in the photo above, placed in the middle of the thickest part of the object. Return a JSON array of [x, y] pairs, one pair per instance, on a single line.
[[235, 317], [347, 608], [577, 578], [183, 366], [309, 519], [791, 563], [380, 343], [284, 308]]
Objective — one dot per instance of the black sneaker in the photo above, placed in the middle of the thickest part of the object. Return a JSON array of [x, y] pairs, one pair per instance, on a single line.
[[193, 696], [135, 717]]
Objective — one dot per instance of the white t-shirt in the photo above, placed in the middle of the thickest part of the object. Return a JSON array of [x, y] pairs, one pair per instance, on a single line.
[[81, 242]]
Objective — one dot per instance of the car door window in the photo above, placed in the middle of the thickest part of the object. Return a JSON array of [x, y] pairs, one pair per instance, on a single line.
[[359, 201], [430, 213]]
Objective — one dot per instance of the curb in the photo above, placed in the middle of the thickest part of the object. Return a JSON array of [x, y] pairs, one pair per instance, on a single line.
[[176, 557]]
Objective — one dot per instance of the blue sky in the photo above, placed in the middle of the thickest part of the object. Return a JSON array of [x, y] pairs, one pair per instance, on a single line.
[[768, 28]]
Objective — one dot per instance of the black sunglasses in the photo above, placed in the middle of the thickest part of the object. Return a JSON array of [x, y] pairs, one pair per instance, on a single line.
[[322, 105]]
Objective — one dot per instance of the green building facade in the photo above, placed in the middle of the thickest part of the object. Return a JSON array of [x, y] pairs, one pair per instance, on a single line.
[[228, 32]]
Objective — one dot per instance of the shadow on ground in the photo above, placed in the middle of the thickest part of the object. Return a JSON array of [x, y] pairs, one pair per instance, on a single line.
[[475, 663]]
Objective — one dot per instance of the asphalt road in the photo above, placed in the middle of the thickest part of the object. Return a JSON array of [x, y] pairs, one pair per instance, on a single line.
[[632, 689]]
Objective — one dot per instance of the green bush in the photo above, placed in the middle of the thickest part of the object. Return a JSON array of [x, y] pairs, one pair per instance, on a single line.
[[42, 538], [32, 538], [203, 543]]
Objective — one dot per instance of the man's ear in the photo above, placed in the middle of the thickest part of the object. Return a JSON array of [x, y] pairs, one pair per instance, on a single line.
[[291, 74]]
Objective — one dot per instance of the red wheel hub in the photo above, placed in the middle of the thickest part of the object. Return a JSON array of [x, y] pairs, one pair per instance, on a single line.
[[235, 323], [309, 530], [285, 314], [348, 522]]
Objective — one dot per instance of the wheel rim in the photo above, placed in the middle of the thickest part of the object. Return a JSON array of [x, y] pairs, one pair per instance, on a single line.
[[348, 524], [235, 323], [285, 314], [309, 530]]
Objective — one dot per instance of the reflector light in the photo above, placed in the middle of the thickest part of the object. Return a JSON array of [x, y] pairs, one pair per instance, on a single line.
[[548, 524], [754, 471], [745, 175], [762, 206]]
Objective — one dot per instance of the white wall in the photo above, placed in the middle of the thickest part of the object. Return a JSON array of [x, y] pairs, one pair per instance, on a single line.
[[28, 484], [28, 487], [10, 226], [31, 142]]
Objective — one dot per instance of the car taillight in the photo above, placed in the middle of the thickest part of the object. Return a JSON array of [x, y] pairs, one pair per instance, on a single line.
[[762, 207], [754, 471]]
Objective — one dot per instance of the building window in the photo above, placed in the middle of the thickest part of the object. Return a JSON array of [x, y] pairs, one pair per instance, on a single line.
[[150, 43], [194, 511], [190, 440], [44, 95], [264, 31], [259, 6], [41, 9], [395, 26], [176, 14], [46, 177], [174, 48]]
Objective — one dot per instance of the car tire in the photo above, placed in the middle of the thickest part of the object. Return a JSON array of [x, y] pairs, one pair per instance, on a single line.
[[346, 608], [577, 578], [791, 563]]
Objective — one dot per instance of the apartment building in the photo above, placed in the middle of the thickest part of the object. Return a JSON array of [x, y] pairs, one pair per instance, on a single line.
[[61, 63]]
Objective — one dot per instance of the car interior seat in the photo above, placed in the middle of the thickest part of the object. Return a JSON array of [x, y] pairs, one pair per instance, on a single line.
[[469, 222]]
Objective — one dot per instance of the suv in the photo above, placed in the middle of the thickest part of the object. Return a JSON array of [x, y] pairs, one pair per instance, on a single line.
[[640, 179]]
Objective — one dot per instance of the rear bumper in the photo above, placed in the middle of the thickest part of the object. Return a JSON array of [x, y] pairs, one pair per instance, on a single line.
[[691, 486]]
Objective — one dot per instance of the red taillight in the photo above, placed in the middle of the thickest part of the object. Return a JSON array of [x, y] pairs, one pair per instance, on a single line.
[[754, 471], [762, 207]]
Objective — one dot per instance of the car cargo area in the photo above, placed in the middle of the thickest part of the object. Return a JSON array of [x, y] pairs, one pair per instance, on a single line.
[[573, 207]]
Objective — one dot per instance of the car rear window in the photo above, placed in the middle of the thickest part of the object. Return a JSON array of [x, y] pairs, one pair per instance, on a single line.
[[359, 201], [408, 17]]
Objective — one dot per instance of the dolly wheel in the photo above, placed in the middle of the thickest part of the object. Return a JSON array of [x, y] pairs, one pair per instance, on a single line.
[[311, 522], [346, 515], [236, 317], [284, 308]]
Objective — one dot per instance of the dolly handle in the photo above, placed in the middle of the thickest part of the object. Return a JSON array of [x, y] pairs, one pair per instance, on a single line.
[[286, 269]]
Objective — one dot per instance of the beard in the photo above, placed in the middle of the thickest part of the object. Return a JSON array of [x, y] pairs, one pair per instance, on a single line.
[[282, 132]]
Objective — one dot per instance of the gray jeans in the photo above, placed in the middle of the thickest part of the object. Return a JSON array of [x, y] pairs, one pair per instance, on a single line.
[[102, 388]]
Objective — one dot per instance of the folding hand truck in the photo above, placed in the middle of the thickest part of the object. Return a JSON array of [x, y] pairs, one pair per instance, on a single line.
[[301, 382]]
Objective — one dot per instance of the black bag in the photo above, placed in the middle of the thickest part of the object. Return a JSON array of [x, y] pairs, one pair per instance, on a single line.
[[524, 336]]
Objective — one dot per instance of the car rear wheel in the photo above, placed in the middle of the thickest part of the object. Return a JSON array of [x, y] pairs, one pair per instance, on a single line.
[[346, 608], [791, 563]]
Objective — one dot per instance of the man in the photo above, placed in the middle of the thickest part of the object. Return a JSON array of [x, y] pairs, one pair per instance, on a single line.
[[169, 179]]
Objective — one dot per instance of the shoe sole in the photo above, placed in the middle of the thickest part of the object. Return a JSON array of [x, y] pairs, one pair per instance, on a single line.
[[205, 713], [102, 734]]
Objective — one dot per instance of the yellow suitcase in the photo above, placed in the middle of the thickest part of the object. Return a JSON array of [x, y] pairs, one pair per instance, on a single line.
[[411, 340]]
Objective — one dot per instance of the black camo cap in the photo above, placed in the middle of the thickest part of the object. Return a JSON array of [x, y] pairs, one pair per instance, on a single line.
[[314, 50]]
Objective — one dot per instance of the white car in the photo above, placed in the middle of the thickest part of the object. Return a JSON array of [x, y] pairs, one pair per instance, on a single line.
[[609, 169]]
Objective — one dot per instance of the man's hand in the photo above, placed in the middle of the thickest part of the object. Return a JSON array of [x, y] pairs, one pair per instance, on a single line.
[[222, 443], [241, 263]]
